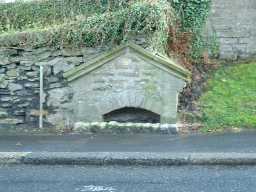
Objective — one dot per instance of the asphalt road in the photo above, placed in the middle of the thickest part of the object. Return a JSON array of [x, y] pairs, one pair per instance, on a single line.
[[240, 142], [127, 179]]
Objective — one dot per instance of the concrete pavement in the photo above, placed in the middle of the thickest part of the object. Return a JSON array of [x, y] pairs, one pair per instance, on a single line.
[[244, 142]]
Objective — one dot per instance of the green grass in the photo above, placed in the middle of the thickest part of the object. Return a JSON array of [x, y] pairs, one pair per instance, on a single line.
[[230, 98]]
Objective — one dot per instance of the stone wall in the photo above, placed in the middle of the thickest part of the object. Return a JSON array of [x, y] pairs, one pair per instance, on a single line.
[[233, 22], [127, 81], [19, 82]]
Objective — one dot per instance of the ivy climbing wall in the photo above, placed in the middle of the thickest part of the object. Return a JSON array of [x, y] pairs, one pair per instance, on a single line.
[[233, 24]]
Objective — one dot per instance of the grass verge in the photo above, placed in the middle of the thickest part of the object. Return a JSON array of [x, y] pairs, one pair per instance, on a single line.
[[230, 98]]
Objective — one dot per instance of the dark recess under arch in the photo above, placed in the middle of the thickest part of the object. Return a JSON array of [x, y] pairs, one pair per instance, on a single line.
[[133, 115]]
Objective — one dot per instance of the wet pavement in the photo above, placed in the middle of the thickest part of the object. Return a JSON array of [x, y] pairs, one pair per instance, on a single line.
[[239, 142], [127, 179], [71, 178]]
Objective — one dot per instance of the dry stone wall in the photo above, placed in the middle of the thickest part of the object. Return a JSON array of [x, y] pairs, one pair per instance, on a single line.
[[19, 82]]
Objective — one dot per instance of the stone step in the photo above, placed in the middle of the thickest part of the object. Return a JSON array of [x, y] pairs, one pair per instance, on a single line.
[[116, 127]]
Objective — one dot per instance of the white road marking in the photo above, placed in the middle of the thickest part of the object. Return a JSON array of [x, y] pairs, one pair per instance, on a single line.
[[95, 188]]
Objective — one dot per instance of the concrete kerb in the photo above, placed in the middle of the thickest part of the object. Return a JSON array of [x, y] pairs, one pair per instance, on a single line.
[[12, 157], [127, 158]]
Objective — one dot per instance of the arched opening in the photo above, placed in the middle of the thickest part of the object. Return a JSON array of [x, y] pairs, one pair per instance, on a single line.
[[133, 115]]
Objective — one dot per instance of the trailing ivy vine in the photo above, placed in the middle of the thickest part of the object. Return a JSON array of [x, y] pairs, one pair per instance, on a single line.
[[92, 22], [193, 15]]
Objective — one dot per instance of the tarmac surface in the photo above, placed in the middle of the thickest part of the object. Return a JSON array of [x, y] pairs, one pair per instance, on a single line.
[[67, 163], [27, 178], [244, 142]]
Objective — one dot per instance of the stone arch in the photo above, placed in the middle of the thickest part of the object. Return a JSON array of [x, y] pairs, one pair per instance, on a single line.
[[129, 100]]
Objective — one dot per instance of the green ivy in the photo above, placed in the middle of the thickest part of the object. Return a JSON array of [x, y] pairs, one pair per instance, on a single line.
[[193, 15], [90, 22], [23, 15], [149, 20]]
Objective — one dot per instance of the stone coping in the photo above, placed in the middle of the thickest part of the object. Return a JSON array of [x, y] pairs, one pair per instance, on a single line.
[[162, 62], [116, 127]]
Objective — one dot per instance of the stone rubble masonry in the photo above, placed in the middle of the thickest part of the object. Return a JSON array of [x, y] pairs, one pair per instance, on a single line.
[[19, 82], [233, 22]]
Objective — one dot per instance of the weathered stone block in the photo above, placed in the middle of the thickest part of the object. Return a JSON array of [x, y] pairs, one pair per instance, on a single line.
[[11, 66], [74, 60], [2, 70], [14, 87], [33, 74], [3, 81], [47, 70], [55, 85], [44, 55], [11, 121], [9, 52], [3, 113], [32, 85], [12, 73], [19, 112], [71, 52], [6, 104], [59, 65], [4, 92], [25, 104], [6, 98], [53, 79], [59, 96]]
